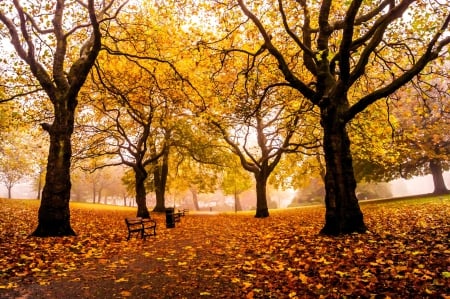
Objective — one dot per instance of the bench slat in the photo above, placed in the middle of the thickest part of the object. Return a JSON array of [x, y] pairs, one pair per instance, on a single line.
[[144, 227]]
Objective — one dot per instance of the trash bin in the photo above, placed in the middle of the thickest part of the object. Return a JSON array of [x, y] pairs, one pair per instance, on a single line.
[[170, 217]]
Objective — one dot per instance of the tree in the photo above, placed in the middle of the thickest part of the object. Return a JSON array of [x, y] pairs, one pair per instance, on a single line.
[[47, 52], [235, 181], [414, 141], [144, 97], [260, 140], [14, 166], [128, 118], [422, 138], [328, 51], [160, 170], [198, 156], [259, 118]]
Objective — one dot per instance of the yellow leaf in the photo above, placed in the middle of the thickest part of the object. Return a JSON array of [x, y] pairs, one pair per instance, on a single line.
[[125, 293], [341, 274], [429, 292], [417, 271], [247, 284], [10, 285], [123, 279], [24, 257], [303, 278], [44, 283]]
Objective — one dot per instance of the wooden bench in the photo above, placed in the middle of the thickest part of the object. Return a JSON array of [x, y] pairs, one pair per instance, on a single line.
[[177, 215], [141, 226]]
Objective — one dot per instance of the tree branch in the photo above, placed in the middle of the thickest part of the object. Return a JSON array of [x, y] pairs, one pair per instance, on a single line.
[[282, 64], [433, 51]]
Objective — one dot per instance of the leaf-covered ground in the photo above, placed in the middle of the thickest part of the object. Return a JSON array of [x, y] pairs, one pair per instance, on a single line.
[[406, 254]]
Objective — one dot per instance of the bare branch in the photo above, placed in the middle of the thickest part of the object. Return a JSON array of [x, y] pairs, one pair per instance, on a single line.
[[282, 64]]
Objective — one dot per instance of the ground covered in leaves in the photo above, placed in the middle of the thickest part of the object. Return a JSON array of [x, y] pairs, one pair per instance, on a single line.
[[406, 254]]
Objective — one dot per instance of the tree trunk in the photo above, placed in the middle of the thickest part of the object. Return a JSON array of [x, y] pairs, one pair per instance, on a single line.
[[160, 179], [54, 213], [237, 202], [9, 192], [99, 196], [159, 191], [262, 210], [140, 176], [438, 178], [94, 193], [195, 199], [39, 185], [343, 214]]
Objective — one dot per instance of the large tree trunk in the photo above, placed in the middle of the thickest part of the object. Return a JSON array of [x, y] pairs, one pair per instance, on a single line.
[[160, 179], [438, 178], [54, 213], [159, 190], [343, 214], [141, 201], [262, 210]]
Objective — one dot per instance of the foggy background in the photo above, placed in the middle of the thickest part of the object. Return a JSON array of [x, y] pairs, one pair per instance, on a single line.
[[399, 187]]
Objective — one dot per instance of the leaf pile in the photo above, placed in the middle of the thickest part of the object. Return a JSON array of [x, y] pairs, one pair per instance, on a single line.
[[406, 254]]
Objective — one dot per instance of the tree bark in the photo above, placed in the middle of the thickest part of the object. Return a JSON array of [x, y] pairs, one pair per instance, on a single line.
[[159, 190], [54, 213], [140, 175], [438, 178], [343, 214], [262, 210], [160, 174]]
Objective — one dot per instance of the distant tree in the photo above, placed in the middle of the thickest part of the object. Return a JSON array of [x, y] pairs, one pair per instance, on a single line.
[[197, 159], [422, 139], [14, 166], [373, 190], [260, 122], [235, 181]]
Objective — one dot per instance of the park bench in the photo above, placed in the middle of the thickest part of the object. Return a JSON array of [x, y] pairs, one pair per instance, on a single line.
[[177, 215], [141, 226]]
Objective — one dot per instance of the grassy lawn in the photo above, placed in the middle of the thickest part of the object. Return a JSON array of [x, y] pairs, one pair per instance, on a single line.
[[405, 254]]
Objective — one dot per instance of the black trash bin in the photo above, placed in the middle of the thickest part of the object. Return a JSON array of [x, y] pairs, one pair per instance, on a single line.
[[170, 217]]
